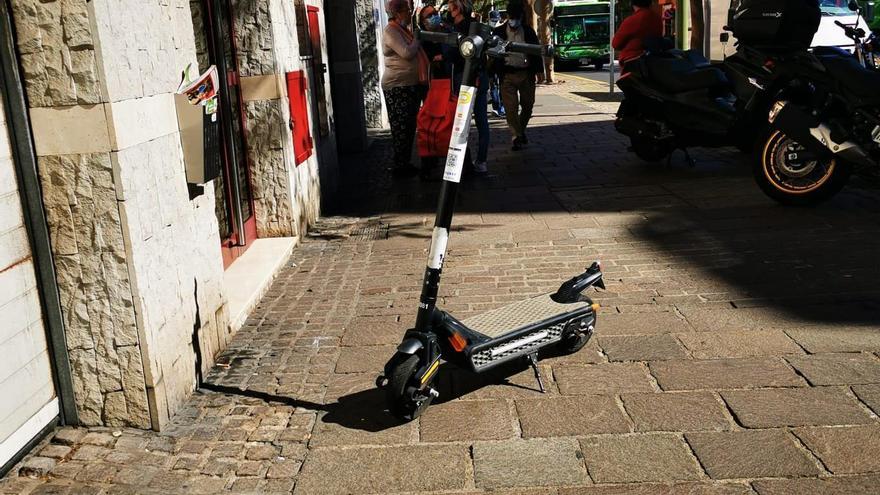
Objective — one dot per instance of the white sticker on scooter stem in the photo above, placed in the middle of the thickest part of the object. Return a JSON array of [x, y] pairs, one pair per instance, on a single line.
[[439, 240], [461, 129]]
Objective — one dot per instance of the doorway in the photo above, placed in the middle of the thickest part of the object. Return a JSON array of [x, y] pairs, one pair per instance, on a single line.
[[234, 194]]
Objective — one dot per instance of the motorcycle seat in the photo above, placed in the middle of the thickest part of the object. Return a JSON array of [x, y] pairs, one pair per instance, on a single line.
[[679, 72], [852, 75]]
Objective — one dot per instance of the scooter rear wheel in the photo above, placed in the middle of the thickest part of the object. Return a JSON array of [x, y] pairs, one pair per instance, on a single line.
[[401, 402], [575, 338]]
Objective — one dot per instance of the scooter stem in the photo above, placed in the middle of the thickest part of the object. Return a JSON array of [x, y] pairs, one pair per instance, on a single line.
[[451, 178]]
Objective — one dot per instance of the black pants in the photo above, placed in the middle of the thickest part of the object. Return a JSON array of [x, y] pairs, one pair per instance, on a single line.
[[403, 108]]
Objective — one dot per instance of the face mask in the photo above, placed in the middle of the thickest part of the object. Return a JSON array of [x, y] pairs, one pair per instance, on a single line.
[[433, 21], [513, 23]]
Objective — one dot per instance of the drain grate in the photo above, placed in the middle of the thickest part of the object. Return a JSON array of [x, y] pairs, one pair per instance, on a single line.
[[348, 229]]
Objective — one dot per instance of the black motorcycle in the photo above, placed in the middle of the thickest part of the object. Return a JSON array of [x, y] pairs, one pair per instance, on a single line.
[[824, 125]]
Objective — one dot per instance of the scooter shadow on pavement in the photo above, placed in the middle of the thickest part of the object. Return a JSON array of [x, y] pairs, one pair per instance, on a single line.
[[367, 410]]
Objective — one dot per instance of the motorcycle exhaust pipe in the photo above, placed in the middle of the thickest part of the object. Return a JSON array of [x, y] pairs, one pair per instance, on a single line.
[[814, 135]]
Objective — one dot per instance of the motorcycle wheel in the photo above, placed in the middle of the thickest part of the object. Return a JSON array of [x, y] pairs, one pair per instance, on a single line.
[[649, 150], [796, 184], [401, 404]]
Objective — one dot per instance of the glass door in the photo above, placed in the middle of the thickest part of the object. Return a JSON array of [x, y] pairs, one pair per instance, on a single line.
[[235, 203]]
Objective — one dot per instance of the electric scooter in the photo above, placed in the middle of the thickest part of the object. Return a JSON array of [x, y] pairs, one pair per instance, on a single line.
[[565, 318]]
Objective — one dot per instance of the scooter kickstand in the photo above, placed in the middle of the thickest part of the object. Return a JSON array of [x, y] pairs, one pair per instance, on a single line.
[[690, 161], [533, 360]]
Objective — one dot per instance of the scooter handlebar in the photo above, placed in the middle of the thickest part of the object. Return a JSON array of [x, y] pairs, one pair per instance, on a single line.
[[529, 49], [440, 38]]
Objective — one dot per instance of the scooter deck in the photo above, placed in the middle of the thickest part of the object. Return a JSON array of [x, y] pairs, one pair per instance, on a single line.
[[507, 319]]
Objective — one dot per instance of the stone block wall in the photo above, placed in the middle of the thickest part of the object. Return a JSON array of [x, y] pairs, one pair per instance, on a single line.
[[100, 76], [369, 26], [57, 52], [287, 196]]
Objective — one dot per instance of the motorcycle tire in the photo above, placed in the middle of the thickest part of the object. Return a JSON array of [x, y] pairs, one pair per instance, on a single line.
[[793, 184], [649, 150]]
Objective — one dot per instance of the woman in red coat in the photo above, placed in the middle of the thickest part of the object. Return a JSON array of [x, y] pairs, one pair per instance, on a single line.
[[644, 23]]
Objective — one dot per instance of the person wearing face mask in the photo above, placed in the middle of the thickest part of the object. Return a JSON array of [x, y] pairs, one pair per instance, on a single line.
[[406, 73], [518, 74]]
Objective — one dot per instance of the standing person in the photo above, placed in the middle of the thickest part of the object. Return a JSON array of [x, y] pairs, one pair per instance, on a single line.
[[460, 16], [518, 73], [630, 36], [406, 71]]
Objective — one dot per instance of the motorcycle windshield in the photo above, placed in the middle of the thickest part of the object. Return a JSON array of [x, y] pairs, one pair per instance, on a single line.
[[835, 7], [587, 30]]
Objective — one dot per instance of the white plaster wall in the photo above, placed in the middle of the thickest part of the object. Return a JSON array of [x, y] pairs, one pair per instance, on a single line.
[[172, 242]]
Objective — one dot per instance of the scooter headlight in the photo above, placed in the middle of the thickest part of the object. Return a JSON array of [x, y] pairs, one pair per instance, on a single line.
[[467, 48]]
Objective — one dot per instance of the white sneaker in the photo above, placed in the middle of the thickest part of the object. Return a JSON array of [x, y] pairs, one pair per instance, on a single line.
[[481, 168]]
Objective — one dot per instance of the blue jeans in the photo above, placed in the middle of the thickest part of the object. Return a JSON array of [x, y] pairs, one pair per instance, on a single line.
[[495, 92], [481, 116]]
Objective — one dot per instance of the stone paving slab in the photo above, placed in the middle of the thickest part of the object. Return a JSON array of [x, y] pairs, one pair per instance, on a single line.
[[870, 395], [571, 416], [838, 369], [539, 462], [847, 339], [642, 348], [662, 489], [640, 458], [857, 485], [752, 454], [795, 407], [385, 469], [739, 344], [845, 450], [725, 374], [468, 420], [633, 324], [679, 411], [603, 379]]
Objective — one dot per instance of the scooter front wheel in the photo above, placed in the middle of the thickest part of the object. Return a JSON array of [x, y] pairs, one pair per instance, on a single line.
[[405, 401]]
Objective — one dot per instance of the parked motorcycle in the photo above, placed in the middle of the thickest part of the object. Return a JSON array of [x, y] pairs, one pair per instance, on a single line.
[[824, 125], [676, 99]]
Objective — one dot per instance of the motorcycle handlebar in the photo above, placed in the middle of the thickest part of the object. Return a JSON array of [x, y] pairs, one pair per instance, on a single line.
[[851, 32]]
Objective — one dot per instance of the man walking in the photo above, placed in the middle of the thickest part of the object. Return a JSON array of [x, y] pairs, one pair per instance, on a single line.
[[518, 73]]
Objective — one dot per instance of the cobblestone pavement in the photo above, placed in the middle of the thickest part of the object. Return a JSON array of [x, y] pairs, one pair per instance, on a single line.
[[737, 352]]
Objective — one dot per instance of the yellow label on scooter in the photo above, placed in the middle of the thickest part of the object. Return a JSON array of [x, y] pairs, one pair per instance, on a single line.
[[461, 128], [430, 372]]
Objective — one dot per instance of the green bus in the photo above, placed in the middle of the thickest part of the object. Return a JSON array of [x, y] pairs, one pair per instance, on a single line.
[[581, 33]]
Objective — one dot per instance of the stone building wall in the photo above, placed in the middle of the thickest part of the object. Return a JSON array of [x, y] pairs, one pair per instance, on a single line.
[[57, 52], [287, 196], [369, 27], [100, 77], [262, 91]]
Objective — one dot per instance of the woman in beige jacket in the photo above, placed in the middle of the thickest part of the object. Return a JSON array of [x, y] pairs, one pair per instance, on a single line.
[[401, 83]]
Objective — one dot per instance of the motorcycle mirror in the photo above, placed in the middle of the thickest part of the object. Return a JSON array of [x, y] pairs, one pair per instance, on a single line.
[[854, 5], [725, 37]]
